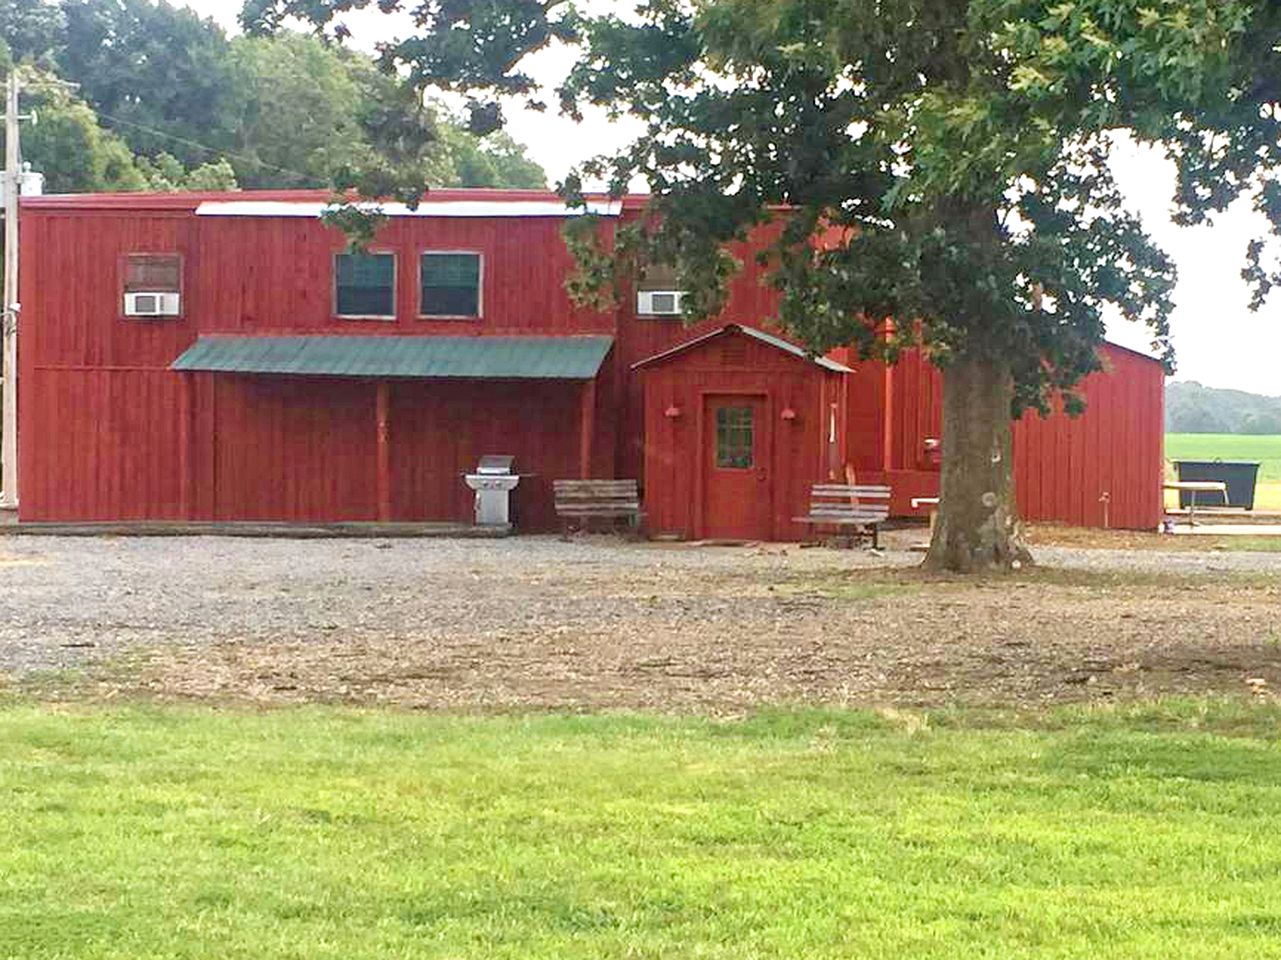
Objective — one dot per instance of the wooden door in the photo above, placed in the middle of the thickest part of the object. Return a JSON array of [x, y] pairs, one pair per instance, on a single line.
[[737, 501]]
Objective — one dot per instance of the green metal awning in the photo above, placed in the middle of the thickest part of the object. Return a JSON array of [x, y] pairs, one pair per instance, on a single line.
[[476, 358]]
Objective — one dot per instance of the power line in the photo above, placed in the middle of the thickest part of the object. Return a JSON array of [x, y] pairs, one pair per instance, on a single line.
[[220, 154]]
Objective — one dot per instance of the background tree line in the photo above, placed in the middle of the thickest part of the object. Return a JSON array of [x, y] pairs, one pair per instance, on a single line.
[[1193, 408], [166, 100]]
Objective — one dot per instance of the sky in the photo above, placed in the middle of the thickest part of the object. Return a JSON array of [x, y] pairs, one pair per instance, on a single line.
[[1218, 341]]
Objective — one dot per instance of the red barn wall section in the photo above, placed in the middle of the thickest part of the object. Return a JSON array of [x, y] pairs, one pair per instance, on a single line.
[[439, 430], [100, 429], [109, 432], [675, 445], [300, 449], [1063, 465]]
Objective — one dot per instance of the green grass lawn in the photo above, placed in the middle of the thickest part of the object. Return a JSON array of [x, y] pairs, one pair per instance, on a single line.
[[320, 833], [1230, 446]]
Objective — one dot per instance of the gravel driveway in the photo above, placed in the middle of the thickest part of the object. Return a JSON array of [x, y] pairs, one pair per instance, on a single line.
[[534, 622]]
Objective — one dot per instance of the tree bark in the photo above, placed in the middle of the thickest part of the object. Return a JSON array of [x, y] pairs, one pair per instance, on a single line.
[[977, 529]]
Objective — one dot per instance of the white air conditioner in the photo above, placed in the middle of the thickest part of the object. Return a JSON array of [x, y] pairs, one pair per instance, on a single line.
[[152, 304], [659, 303]]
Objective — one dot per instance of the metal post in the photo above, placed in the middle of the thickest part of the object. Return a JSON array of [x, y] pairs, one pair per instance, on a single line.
[[9, 306]]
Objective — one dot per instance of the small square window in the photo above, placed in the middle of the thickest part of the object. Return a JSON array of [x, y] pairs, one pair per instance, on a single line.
[[153, 273], [450, 285], [365, 285]]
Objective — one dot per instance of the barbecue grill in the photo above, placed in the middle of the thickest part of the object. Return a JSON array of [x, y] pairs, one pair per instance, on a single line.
[[493, 481]]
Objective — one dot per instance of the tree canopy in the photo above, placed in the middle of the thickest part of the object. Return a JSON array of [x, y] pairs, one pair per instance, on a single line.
[[1193, 408], [165, 100], [943, 164]]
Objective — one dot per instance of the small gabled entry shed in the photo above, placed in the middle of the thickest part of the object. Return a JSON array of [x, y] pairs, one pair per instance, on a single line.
[[739, 424]]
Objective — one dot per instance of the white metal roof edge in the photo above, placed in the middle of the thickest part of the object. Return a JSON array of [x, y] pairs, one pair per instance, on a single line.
[[761, 335], [442, 208], [792, 348]]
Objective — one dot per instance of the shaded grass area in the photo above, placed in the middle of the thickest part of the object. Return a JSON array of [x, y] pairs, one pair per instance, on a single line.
[[1048, 534], [1247, 544], [148, 832]]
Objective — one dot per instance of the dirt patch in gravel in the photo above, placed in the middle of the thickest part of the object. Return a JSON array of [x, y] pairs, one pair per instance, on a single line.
[[598, 624]]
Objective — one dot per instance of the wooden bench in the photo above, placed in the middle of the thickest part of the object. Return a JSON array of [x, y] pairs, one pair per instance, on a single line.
[[844, 505], [587, 500]]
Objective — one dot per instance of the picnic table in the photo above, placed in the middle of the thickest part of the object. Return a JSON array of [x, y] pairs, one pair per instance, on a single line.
[[1192, 488], [932, 503]]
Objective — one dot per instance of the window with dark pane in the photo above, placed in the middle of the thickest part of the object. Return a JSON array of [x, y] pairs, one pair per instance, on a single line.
[[734, 445], [365, 284], [450, 285], [153, 273]]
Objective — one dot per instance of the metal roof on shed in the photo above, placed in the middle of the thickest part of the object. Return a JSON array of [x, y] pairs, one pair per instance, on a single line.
[[476, 358], [767, 338]]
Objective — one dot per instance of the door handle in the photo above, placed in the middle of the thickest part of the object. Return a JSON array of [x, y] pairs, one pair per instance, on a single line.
[[761, 474]]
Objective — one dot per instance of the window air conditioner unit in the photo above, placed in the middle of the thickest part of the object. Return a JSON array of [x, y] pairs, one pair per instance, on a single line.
[[659, 303], [151, 304]]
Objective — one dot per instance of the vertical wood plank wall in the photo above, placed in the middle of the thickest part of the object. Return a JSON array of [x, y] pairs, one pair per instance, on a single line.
[[1062, 465], [108, 432], [674, 392]]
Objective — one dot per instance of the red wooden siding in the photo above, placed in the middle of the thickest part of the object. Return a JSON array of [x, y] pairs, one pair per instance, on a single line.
[[109, 432], [291, 449], [113, 446], [438, 432], [275, 275], [676, 445], [1062, 465]]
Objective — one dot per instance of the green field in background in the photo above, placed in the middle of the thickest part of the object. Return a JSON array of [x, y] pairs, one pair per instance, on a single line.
[[1234, 446], [327, 834], [1228, 446]]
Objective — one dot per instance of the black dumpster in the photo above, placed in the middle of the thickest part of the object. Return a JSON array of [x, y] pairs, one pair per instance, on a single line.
[[1239, 475]]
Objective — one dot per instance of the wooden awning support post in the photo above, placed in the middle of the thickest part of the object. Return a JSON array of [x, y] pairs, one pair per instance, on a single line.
[[383, 455], [586, 427]]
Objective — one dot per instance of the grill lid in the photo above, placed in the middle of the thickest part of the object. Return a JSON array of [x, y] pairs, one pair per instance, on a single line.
[[495, 464]]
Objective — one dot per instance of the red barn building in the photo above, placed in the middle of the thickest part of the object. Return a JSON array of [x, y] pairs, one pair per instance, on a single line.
[[202, 357]]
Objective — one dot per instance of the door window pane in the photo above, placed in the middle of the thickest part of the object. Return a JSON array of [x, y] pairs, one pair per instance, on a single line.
[[365, 284], [734, 446]]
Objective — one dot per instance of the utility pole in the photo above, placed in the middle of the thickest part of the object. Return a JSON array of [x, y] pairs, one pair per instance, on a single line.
[[9, 306]]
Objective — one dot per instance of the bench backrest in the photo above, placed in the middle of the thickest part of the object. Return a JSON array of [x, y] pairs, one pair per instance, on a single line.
[[844, 501], [582, 496]]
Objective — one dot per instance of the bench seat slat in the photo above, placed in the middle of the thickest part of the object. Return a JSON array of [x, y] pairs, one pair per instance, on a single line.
[[620, 510], [829, 522], [846, 517], [860, 507], [851, 514], [586, 500], [879, 487], [593, 486]]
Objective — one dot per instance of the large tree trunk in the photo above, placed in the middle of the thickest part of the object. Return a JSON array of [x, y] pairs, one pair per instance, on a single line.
[[977, 528]]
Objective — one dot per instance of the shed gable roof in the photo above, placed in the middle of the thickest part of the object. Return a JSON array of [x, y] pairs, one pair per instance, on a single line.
[[768, 339]]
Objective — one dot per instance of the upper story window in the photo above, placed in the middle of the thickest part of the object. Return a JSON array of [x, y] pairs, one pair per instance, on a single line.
[[657, 294], [365, 285], [152, 285], [450, 285]]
